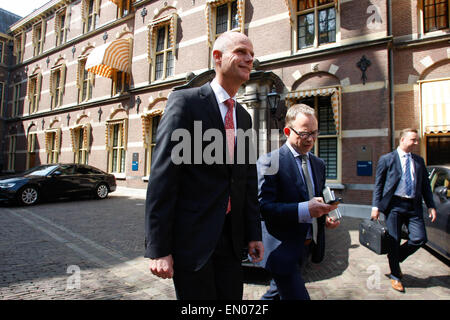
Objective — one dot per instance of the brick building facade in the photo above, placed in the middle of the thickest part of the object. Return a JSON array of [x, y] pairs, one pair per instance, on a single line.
[[90, 78]]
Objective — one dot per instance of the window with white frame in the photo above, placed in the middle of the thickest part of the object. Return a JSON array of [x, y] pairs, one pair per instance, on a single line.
[[80, 136], [120, 82], [123, 8], [19, 47], [31, 149], [81, 154], [222, 16], [162, 36], [52, 140], [61, 26], [38, 37], [164, 60], [118, 150], [34, 92], [226, 17], [57, 81], [89, 14], [116, 145], [316, 23], [151, 128], [327, 143], [85, 81]]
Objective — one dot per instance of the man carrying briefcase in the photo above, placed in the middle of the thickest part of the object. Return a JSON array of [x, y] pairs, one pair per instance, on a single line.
[[401, 182]]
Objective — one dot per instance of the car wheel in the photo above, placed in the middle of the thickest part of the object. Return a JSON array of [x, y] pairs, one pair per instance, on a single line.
[[101, 192], [28, 196]]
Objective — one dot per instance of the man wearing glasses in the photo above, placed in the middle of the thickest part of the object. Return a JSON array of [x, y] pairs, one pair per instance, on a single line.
[[291, 204]]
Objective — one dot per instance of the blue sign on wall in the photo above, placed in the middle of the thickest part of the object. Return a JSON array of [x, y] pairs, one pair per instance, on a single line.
[[135, 165], [364, 168]]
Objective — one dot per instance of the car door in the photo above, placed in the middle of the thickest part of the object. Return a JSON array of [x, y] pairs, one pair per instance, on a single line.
[[438, 231], [85, 183], [61, 182]]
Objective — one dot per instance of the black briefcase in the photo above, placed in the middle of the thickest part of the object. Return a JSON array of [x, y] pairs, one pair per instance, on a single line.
[[373, 234]]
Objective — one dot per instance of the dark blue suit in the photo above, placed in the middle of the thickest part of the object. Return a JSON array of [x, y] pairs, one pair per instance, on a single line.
[[280, 190], [400, 211]]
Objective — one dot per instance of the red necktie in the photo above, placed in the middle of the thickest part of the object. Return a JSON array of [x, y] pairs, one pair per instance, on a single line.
[[229, 130]]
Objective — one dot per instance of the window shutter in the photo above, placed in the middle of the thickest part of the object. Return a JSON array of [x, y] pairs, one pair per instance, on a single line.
[[97, 7], [52, 84], [62, 79], [87, 136], [43, 31], [38, 88]]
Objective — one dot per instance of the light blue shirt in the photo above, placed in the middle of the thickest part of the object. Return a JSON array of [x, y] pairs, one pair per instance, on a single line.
[[303, 212]]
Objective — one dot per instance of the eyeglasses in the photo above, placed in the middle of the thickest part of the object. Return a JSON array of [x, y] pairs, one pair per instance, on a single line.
[[306, 135]]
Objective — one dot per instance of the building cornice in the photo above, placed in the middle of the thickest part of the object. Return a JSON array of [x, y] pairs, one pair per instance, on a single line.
[[73, 41], [327, 51], [46, 10], [406, 44]]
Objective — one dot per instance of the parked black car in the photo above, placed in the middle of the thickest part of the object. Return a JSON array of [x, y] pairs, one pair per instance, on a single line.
[[438, 232], [53, 181]]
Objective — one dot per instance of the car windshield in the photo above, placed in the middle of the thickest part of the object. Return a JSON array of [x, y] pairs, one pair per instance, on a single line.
[[40, 171]]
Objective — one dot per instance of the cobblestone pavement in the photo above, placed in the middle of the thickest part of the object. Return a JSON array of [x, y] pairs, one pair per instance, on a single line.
[[90, 249]]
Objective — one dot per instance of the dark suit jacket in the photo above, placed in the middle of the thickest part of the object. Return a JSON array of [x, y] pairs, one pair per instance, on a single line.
[[186, 203], [279, 195], [388, 175]]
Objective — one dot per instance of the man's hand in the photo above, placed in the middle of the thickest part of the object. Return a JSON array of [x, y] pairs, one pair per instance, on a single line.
[[331, 224], [375, 214], [432, 214], [318, 208], [256, 250], [162, 267]]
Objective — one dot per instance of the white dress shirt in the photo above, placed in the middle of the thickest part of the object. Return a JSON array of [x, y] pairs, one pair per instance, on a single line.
[[221, 96], [401, 188], [303, 212]]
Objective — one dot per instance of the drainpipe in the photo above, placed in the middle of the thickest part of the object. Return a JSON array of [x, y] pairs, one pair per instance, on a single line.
[[391, 75]]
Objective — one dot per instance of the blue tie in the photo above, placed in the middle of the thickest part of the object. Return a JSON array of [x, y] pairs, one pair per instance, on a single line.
[[408, 181]]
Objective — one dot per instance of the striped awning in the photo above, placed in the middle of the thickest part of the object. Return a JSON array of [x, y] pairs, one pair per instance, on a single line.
[[435, 106], [294, 96], [109, 57]]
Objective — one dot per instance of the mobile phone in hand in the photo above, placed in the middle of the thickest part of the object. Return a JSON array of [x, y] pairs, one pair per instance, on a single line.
[[335, 201]]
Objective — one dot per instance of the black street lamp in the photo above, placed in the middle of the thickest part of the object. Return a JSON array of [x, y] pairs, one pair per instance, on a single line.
[[273, 98]]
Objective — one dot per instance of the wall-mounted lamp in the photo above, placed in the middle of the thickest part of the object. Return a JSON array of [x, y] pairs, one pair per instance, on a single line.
[[143, 14], [138, 103], [273, 98]]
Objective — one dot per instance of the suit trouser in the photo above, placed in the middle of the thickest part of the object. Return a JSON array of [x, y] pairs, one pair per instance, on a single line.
[[403, 212], [221, 278], [273, 293]]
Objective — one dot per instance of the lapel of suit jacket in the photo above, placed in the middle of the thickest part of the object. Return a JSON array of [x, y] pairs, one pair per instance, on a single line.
[[212, 110], [287, 156], [417, 172], [398, 167]]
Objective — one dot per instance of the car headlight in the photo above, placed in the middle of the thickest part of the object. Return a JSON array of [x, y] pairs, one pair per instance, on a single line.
[[7, 185]]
